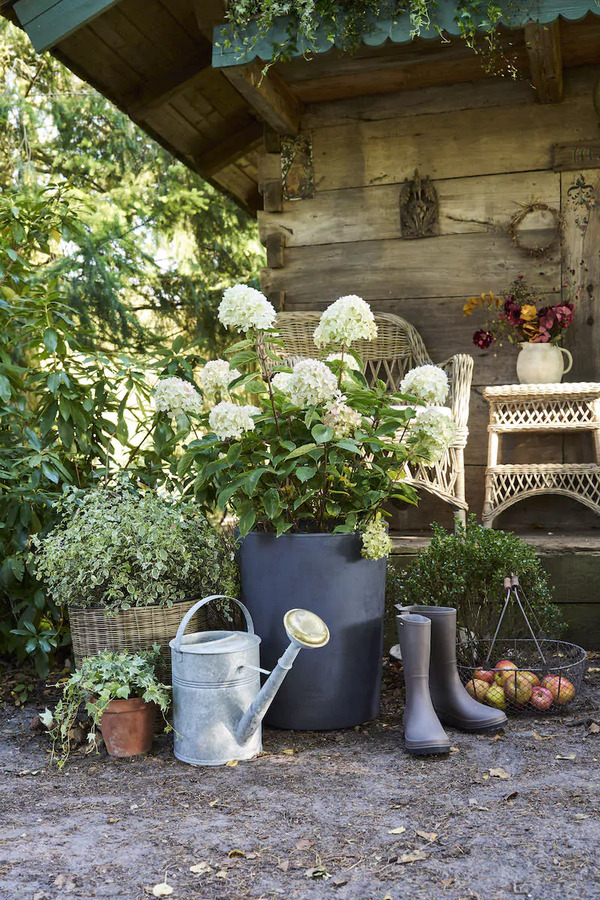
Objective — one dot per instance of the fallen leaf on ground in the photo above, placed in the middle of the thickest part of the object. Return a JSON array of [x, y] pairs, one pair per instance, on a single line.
[[454, 749], [541, 737], [594, 728], [221, 874], [234, 853], [415, 856], [231, 763], [64, 882], [499, 773], [581, 816], [289, 752], [399, 830], [430, 836], [214, 802], [447, 882], [201, 868], [284, 866], [511, 796], [339, 881], [162, 890], [303, 844], [318, 872], [567, 756], [474, 805]]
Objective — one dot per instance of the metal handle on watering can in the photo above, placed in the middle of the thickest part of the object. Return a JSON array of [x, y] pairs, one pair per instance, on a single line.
[[185, 621]]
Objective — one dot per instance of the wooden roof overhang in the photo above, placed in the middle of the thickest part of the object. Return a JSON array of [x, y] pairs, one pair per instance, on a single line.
[[208, 104]]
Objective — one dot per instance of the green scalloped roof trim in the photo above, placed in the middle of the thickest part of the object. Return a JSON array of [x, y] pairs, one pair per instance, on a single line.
[[397, 30]]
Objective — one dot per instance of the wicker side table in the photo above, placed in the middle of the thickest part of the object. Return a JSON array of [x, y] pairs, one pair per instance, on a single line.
[[544, 409]]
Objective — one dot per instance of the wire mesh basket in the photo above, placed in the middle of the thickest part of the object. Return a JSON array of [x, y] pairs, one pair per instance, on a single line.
[[517, 678]]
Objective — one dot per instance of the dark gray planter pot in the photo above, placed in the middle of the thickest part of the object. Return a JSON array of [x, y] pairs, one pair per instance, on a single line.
[[338, 686]]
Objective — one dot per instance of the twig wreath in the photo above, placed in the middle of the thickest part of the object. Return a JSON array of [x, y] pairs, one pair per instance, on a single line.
[[514, 228]]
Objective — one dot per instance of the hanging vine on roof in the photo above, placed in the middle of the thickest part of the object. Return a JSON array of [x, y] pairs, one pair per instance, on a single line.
[[347, 21]]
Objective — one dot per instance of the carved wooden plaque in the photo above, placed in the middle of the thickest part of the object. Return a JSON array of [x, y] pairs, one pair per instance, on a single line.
[[418, 208]]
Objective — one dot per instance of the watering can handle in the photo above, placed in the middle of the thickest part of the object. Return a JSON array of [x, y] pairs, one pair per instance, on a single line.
[[184, 622]]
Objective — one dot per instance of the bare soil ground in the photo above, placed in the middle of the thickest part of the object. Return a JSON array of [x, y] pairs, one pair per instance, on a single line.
[[317, 816]]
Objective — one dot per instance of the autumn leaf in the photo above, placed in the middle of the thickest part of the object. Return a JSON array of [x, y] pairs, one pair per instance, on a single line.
[[162, 890], [201, 868], [415, 856], [430, 836], [567, 756], [236, 853], [399, 830], [499, 773], [231, 763]]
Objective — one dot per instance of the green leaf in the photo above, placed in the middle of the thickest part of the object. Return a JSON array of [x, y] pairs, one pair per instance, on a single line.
[[347, 444], [321, 433], [50, 340], [300, 451], [233, 454], [252, 480], [5, 389], [304, 473], [247, 515], [271, 502]]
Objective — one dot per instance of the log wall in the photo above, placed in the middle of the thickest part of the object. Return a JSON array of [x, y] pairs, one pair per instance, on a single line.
[[488, 149]]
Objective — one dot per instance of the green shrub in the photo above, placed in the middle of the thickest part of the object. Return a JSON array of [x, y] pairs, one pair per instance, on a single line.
[[116, 548], [466, 570]]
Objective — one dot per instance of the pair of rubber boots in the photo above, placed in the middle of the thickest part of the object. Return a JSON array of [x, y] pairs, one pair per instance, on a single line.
[[434, 692]]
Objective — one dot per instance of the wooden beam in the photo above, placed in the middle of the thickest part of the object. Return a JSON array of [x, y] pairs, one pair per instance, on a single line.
[[48, 22], [268, 95], [158, 91], [229, 150], [209, 13], [545, 60]]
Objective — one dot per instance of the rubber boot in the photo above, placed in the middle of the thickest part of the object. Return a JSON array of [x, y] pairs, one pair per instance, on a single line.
[[422, 730], [451, 701]]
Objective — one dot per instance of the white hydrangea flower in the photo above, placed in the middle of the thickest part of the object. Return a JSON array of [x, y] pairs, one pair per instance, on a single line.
[[228, 420], [342, 419], [428, 383], [348, 361], [434, 430], [312, 382], [216, 376], [176, 396], [347, 320], [376, 542], [282, 381], [243, 307]]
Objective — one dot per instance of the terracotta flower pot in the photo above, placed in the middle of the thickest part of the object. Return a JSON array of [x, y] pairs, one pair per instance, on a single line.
[[127, 726]]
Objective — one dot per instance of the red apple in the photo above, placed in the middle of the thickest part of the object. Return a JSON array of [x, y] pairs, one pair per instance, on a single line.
[[481, 674], [532, 678], [495, 697], [501, 667], [477, 689], [541, 697], [517, 688], [561, 689]]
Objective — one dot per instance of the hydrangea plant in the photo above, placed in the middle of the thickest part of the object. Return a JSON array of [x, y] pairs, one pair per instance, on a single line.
[[321, 450]]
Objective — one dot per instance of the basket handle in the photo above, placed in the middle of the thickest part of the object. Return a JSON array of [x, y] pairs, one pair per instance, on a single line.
[[185, 621]]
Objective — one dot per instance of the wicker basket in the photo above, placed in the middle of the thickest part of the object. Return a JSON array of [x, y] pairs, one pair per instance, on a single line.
[[93, 630]]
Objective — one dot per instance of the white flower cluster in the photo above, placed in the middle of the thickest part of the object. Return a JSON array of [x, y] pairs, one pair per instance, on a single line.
[[176, 396], [376, 543], [348, 361], [434, 430], [228, 420], [282, 381], [347, 320], [243, 307], [216, 376], [312, 383], [428, 383], [342, 419]]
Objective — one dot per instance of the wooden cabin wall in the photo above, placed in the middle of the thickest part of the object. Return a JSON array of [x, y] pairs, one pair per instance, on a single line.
[[487, 147]]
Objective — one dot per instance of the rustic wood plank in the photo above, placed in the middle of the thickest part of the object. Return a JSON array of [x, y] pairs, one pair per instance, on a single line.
[[450, 145], [466, 206], [545, 60], [231, 148], [447, 266], [574, 156], [209, 13], [275, 245], [581, 238], [269, 166], [49, 25], [272, 194], [159, 90], [268, 95]]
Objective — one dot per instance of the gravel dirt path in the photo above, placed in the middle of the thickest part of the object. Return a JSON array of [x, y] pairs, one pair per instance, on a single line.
[[318, 816]]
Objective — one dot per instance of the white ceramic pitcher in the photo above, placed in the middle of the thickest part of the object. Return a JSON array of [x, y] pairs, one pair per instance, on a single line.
[[542, 363]]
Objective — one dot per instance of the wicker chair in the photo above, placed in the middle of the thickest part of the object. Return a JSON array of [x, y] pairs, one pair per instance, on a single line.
[[397, 349]]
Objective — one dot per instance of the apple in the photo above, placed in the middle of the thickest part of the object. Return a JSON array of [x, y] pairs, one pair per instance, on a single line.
[[481, 674], [517, 688], [477, 689], [541, 697], [561, 689], [495, 697], [532, 678], [501, 667]]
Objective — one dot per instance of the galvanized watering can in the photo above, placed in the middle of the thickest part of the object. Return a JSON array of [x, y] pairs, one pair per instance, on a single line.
[[218, 704]]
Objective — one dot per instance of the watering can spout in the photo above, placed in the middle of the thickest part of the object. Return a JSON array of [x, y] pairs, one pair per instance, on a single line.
[[304, 629]]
